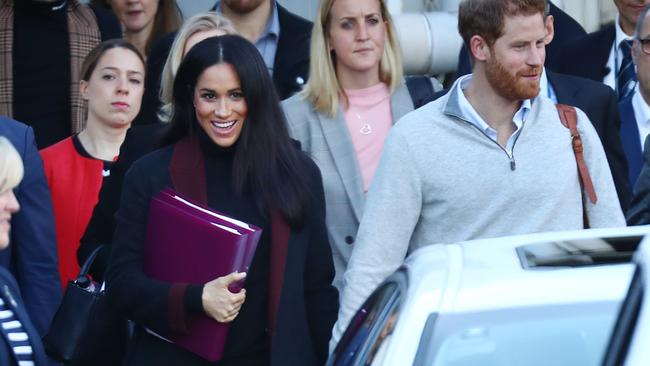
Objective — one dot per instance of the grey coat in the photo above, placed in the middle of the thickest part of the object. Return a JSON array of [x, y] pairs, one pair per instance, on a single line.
[[328, 142]]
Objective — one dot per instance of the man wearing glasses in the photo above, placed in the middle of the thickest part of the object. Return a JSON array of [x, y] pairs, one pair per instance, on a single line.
[[605, 55]]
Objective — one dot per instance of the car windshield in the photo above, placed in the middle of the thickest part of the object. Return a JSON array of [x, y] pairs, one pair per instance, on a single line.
[[563, 335]]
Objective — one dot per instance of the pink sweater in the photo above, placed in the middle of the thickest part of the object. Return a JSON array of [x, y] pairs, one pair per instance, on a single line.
[[368, 118]]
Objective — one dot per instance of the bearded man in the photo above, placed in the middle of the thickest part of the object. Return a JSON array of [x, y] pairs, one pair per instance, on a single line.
[[488, 159]]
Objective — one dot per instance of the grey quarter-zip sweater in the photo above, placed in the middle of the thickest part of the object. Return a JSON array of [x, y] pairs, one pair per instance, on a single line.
[[442, 180]]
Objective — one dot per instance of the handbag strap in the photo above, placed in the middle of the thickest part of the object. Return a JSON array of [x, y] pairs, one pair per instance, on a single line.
[[89, 261], [569, 120]]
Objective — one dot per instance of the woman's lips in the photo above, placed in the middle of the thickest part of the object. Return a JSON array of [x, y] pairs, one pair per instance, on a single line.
[[120, 105]]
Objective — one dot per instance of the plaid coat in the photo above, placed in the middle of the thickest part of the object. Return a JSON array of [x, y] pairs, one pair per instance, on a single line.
[[84, 34]]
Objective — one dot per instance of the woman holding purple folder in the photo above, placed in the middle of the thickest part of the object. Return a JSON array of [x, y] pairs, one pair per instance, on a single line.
[[229, 133]]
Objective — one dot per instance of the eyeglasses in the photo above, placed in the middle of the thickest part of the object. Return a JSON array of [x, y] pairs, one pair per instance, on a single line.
[[645, 45]]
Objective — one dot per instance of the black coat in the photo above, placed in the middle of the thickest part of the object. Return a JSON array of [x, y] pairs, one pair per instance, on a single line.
[[290, 67], [587, 56], [308, 303], [10, 289]]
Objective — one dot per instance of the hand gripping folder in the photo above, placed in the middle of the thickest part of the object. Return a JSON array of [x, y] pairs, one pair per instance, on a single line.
[[186, 242]]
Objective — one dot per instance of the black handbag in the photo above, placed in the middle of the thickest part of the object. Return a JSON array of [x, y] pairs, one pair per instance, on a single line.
[[85, 330]]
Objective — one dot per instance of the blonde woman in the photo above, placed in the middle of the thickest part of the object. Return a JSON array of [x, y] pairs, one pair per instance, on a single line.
[[354, 95], [20, 343]]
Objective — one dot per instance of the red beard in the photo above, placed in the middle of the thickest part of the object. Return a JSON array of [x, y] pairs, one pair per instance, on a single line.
[[509, 86]]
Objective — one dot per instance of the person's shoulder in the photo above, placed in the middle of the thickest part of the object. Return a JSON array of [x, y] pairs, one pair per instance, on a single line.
[[431, 111], [154, 161], [296, 102], [107, 22], [311, 170], [8, 125], [160, 48], [595, 89], [298, 110], [63, 147], [6, 278], [16, 132], [293, 22], [596, 38]]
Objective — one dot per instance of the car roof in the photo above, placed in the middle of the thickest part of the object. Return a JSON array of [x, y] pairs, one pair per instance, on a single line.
[[487, 274]]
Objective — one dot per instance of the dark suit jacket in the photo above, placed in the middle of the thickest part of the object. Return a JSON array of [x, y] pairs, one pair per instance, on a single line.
[[639, 212], [9, 287], [587, 56], [290, 68], [599, 102], [32, 256], [631, 139], [566, 29]]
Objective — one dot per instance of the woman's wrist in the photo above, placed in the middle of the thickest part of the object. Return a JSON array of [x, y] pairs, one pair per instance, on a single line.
[[194, 299]]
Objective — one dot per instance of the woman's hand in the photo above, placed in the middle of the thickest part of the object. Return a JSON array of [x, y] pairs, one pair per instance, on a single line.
[[218, 302]]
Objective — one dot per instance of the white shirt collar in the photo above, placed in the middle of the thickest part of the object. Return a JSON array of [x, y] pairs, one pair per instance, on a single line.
[[474, 118]]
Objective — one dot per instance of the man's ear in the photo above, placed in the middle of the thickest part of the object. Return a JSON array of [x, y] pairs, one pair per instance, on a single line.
[[479, 48], [550, 29], [83, 89], [636, 47]]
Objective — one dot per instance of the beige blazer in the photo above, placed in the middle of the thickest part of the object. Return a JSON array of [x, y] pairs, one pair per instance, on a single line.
[[328, 142]]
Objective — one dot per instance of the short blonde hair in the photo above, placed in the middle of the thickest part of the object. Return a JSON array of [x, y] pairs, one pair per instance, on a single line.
[[323, 88], [11, 165], [199, 23]]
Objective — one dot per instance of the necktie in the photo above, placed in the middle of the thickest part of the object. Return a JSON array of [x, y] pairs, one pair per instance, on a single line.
[[626, 77]]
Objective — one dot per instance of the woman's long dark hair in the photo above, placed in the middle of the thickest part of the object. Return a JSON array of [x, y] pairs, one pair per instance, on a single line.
[[265, 159]]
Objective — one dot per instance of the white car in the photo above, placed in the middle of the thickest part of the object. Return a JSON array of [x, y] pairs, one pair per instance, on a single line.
[[540, 299], [630, 342]]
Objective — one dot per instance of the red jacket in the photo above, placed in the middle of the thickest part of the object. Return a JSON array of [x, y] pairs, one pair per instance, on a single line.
[[74, 182]]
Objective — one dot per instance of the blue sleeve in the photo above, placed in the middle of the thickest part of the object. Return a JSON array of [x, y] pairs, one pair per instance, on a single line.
[[33, 241]]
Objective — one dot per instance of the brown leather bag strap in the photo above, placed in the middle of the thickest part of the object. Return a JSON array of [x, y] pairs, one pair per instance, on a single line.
[[569, 120]]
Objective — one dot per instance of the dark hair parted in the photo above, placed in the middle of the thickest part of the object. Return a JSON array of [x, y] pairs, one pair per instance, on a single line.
[[168, 19], [265, 159], [486, 18], [93, 57]]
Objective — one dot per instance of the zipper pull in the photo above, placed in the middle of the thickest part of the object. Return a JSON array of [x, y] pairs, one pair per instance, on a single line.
[[513, 165]]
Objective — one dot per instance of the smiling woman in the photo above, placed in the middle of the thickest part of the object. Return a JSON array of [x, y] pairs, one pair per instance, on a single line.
[[220, 106], [228, 131], [112, 83]]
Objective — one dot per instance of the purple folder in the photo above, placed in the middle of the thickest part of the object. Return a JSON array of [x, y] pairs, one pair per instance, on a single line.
[[189, 243]]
